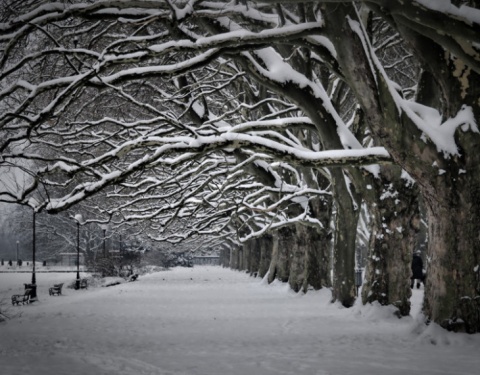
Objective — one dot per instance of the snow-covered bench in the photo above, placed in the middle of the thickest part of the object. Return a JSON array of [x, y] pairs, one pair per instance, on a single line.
[[22, 298], [83, 284], [56, 289]]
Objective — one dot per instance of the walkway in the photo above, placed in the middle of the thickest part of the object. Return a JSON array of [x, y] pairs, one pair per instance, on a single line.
[[214, 321]]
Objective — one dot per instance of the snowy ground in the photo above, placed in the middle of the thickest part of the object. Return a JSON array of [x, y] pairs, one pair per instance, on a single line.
[[210, 320]]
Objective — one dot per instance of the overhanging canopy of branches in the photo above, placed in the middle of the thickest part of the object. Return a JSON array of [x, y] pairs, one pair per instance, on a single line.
[[130, 98]]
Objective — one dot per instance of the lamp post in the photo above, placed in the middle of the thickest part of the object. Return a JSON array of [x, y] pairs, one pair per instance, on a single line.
[[34, 280], [17, 251], [104, 242], [79, 220], [104, 228]]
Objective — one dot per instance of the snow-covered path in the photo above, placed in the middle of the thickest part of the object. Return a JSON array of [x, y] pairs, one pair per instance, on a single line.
[[209, 320]]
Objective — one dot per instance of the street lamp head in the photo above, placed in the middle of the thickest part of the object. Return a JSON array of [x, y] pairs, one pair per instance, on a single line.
[[79, 219], [105, 226]]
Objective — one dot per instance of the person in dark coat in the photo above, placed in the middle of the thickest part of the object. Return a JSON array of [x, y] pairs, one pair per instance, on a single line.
[[417, 270]]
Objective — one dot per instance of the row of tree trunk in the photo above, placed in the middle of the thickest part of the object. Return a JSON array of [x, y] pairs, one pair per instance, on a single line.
[[307, 256], [448, 185], [301, 256]]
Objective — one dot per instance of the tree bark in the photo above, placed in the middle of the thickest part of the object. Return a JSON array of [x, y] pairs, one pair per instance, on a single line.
[[395, 223], [320, 245], [266, 244], [449, 183], [346, 220], [310, 263], [225, 257], [280, 262], [254, 262], [234, 262], [452, 295], [450, 187]]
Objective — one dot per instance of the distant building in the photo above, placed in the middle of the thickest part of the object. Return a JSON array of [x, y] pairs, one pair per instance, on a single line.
[[212, 260]]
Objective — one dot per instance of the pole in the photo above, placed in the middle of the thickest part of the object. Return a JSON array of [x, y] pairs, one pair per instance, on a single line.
[[77, 282], [104, 245], [17, 252], [34, 280]]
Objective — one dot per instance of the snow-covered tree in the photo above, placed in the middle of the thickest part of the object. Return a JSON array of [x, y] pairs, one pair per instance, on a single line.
[[96, 97]]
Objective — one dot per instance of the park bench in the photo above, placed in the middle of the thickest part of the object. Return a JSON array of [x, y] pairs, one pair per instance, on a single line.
[[80, 284], [22, 298], [56, 289], [83, 284]]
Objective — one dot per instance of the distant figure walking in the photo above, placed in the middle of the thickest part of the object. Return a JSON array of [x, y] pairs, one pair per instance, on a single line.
[[417, 270]]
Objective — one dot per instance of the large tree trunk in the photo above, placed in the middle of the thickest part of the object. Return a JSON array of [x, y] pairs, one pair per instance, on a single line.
[[452, 295], [395, 222], [266, 244], [449, 183], [225, 257], [298, 258], [280, 261], [346, 221], [234, 261], [311, 248], [246, 256], [310, 263], [240, 264], [301, 256], [251, 255], [450, 186], [254, 256], [319, 238]]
